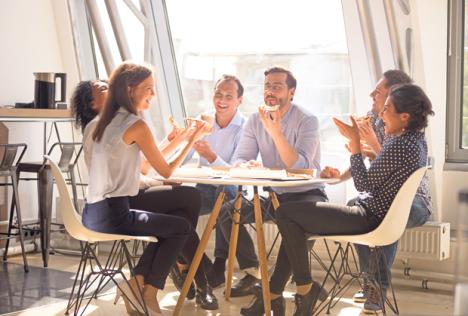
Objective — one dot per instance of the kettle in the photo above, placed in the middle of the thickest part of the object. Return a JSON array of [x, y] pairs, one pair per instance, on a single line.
[[44, 89]]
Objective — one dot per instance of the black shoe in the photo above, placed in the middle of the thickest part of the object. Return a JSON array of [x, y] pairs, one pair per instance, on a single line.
[[256, 308], [305, 303], [244, 286], [216, 279], [206, 299], [178, 279]]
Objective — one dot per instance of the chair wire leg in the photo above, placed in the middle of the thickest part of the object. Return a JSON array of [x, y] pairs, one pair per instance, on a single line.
[[79, 281], [273, 245], [132, 273], [80, 265], [319, 308], [109, 268], [394, 306]]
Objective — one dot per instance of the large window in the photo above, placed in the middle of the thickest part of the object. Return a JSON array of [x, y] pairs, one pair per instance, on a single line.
[[457, 113], [108, 32], [243, 38]]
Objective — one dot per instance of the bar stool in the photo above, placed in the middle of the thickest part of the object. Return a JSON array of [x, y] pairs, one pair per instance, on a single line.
[[9, 168], [69, 154]]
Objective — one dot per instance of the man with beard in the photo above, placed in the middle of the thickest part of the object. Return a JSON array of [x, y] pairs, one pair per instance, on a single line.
[[286, 136]]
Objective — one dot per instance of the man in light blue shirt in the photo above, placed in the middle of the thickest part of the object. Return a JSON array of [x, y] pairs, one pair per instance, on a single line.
[[217, 148], [285, 138]]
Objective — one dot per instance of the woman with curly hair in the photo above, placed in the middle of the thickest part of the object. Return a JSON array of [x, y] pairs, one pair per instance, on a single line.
[[87, 101]]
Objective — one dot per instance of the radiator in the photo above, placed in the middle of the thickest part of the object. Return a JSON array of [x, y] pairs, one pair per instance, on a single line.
[[430, 242]]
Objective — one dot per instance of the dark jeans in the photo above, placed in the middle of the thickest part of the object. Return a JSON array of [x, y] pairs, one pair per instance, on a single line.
[[182, 201], [246, 256], [168, 214], [209, 194], [297, 220], [419, 214]]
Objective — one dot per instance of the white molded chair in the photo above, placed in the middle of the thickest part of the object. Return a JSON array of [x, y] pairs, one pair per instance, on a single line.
[[389, 231], [99, 273]]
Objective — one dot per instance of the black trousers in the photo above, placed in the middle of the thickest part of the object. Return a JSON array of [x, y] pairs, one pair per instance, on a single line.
[[246, 256], [165, 214], [297, 220], [181, 201]]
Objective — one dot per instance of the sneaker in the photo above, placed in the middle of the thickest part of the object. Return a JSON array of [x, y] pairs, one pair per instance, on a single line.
[[373, 303], [361, 295]]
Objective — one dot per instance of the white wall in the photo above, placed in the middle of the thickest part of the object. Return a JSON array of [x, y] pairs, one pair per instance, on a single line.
[[35, 37], [430, 24]]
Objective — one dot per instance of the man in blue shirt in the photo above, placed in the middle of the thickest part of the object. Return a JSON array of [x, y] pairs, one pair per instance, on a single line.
[[285, 138], [217, 148]]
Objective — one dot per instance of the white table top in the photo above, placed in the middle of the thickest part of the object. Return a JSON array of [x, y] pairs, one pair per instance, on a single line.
[[248, 181]]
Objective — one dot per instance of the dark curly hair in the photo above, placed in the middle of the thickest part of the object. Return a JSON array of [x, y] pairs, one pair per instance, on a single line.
[[81, 104], [411, 99]]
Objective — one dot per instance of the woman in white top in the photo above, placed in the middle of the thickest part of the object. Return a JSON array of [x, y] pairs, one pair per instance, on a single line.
[[87, 102], [118, 138]]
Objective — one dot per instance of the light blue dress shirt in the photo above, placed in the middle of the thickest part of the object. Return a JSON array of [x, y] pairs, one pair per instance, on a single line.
[[300, 128], [223, 141]]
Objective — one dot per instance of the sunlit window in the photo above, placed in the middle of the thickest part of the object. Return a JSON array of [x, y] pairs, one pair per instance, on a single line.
[[244, 38], [457, 86]]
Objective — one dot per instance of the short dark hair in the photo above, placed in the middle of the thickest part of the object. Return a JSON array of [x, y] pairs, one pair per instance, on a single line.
[[396, 76], [290, 79], [410, 98], [240, 87]]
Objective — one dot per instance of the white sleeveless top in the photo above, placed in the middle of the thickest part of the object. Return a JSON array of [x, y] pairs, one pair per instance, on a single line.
[[115, 167]]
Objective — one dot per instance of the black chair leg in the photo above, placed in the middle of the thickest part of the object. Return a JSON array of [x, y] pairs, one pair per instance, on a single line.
[[10, 225], [20, 221]]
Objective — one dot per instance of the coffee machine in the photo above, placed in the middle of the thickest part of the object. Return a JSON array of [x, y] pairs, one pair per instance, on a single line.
[[44, 89]]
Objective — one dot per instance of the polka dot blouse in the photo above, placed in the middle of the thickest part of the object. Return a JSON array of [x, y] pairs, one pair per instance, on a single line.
[[399, 157], [423, 189]]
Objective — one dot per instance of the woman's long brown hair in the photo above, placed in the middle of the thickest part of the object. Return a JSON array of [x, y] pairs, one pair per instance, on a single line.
[[127, 75]]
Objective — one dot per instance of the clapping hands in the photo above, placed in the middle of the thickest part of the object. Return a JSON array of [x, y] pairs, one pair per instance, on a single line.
[[351, 132]]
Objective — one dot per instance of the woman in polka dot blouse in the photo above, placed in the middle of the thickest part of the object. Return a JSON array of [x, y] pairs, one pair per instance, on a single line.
[[404, 150]]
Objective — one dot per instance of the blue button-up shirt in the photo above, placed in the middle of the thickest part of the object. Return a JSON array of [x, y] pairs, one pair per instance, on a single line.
[[300, 128], [223, 141]]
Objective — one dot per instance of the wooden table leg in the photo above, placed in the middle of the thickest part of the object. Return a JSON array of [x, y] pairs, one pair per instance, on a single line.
[[233, 242], [262, 253], [199, 253], [274, 200]]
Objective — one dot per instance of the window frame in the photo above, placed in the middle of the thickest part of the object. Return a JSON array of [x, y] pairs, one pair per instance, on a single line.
[[455, 155]]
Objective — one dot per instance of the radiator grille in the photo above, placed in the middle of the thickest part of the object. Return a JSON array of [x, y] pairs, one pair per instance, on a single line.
[[430, 241]]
